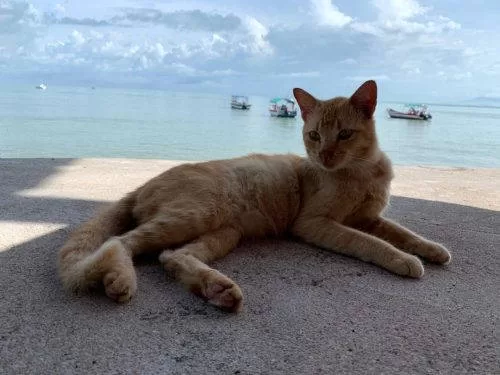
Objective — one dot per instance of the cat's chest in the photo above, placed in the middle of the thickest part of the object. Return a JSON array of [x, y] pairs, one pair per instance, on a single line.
[[339, 199]]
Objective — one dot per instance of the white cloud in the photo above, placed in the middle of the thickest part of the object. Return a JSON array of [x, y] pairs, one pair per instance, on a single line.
[[328, 14], [17, 15], [307, 74], [96, 35], [180, 19], [158, 50], [454, 75], [391, 10], [216, 38], [184, 69], [143, 62], [400, 40], [59, 8], [450, 25], [348, 61], [376, 77], [397, 17], [392, 28], [370, 28], [429, 27], [77, 37], [257, 37], [225, 73]]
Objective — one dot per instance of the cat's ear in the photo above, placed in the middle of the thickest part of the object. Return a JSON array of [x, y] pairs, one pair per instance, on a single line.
[[365, 98], [306, 102]]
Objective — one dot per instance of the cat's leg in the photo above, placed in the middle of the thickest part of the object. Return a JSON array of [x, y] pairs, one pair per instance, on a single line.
[[405, 239], [112, 265], [112, 262], [167, 230], [188, 265], [329, 234]]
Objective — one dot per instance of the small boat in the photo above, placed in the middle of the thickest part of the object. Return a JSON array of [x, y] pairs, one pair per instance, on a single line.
[[282, 107], [412, 112], [240, 102], [41, 86]]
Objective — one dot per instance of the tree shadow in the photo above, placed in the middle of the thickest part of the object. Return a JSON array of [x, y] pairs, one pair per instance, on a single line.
[[22, 174], [298, 299]]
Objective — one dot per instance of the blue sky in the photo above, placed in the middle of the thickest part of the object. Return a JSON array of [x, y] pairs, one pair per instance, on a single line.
[[416, 50]]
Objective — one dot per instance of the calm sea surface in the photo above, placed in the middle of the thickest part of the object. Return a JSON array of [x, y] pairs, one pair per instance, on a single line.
[[81, 122]]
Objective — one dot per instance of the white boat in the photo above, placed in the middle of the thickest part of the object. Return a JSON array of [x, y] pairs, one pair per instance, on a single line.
[[240, 102], [41, 86], [282, 107], [412, 112]]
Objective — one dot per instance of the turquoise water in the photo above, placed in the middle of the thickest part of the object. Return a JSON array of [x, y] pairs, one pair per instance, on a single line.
[[81, 122]]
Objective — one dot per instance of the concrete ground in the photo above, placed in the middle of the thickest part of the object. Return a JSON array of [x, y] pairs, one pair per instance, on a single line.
[[307, 311]]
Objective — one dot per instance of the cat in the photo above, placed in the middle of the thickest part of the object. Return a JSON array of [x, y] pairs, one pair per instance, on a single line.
[[196, 213]]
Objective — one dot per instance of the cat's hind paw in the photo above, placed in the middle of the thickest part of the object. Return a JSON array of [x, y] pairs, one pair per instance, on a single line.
[[116, 266], [120, 286]]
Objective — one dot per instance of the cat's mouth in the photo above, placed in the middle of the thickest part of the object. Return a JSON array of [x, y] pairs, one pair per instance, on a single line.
[[329, 166], [332, 162]]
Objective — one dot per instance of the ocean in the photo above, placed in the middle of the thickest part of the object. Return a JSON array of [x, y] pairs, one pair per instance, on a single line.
[[63, 122]]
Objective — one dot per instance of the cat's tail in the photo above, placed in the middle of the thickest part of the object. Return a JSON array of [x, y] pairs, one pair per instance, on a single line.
[[78, 258]]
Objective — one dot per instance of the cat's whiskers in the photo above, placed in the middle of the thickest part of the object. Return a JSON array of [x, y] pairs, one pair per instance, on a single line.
[[357, 158]]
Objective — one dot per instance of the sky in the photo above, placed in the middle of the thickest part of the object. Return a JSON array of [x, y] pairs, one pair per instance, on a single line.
[[442, 50]]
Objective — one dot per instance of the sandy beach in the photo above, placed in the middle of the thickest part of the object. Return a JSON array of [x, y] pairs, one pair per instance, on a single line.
[[306, 311]]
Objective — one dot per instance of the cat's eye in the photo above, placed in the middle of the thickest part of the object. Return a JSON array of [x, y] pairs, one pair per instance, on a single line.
[[345, 134], [314, 136]]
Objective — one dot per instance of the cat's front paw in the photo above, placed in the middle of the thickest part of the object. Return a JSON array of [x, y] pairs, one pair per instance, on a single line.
[[408, 265], [436, 253]]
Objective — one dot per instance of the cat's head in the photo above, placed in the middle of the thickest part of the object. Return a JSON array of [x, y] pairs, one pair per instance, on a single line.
[[340, 132]]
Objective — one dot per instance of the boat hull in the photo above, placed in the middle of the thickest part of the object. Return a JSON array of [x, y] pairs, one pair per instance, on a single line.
[[240, 106], [396, 114], [284, 114]]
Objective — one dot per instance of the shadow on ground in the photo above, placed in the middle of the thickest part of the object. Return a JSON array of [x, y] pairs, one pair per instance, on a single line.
[[307, 311]]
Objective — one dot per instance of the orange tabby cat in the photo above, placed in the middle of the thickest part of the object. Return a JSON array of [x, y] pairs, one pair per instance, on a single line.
[[196, 213]]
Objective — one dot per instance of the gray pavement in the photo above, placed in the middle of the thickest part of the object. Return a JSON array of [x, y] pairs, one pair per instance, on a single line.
[[306, 311]]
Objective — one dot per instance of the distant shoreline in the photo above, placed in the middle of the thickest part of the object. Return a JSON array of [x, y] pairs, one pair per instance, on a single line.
[[90, 88], [447, 104]]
